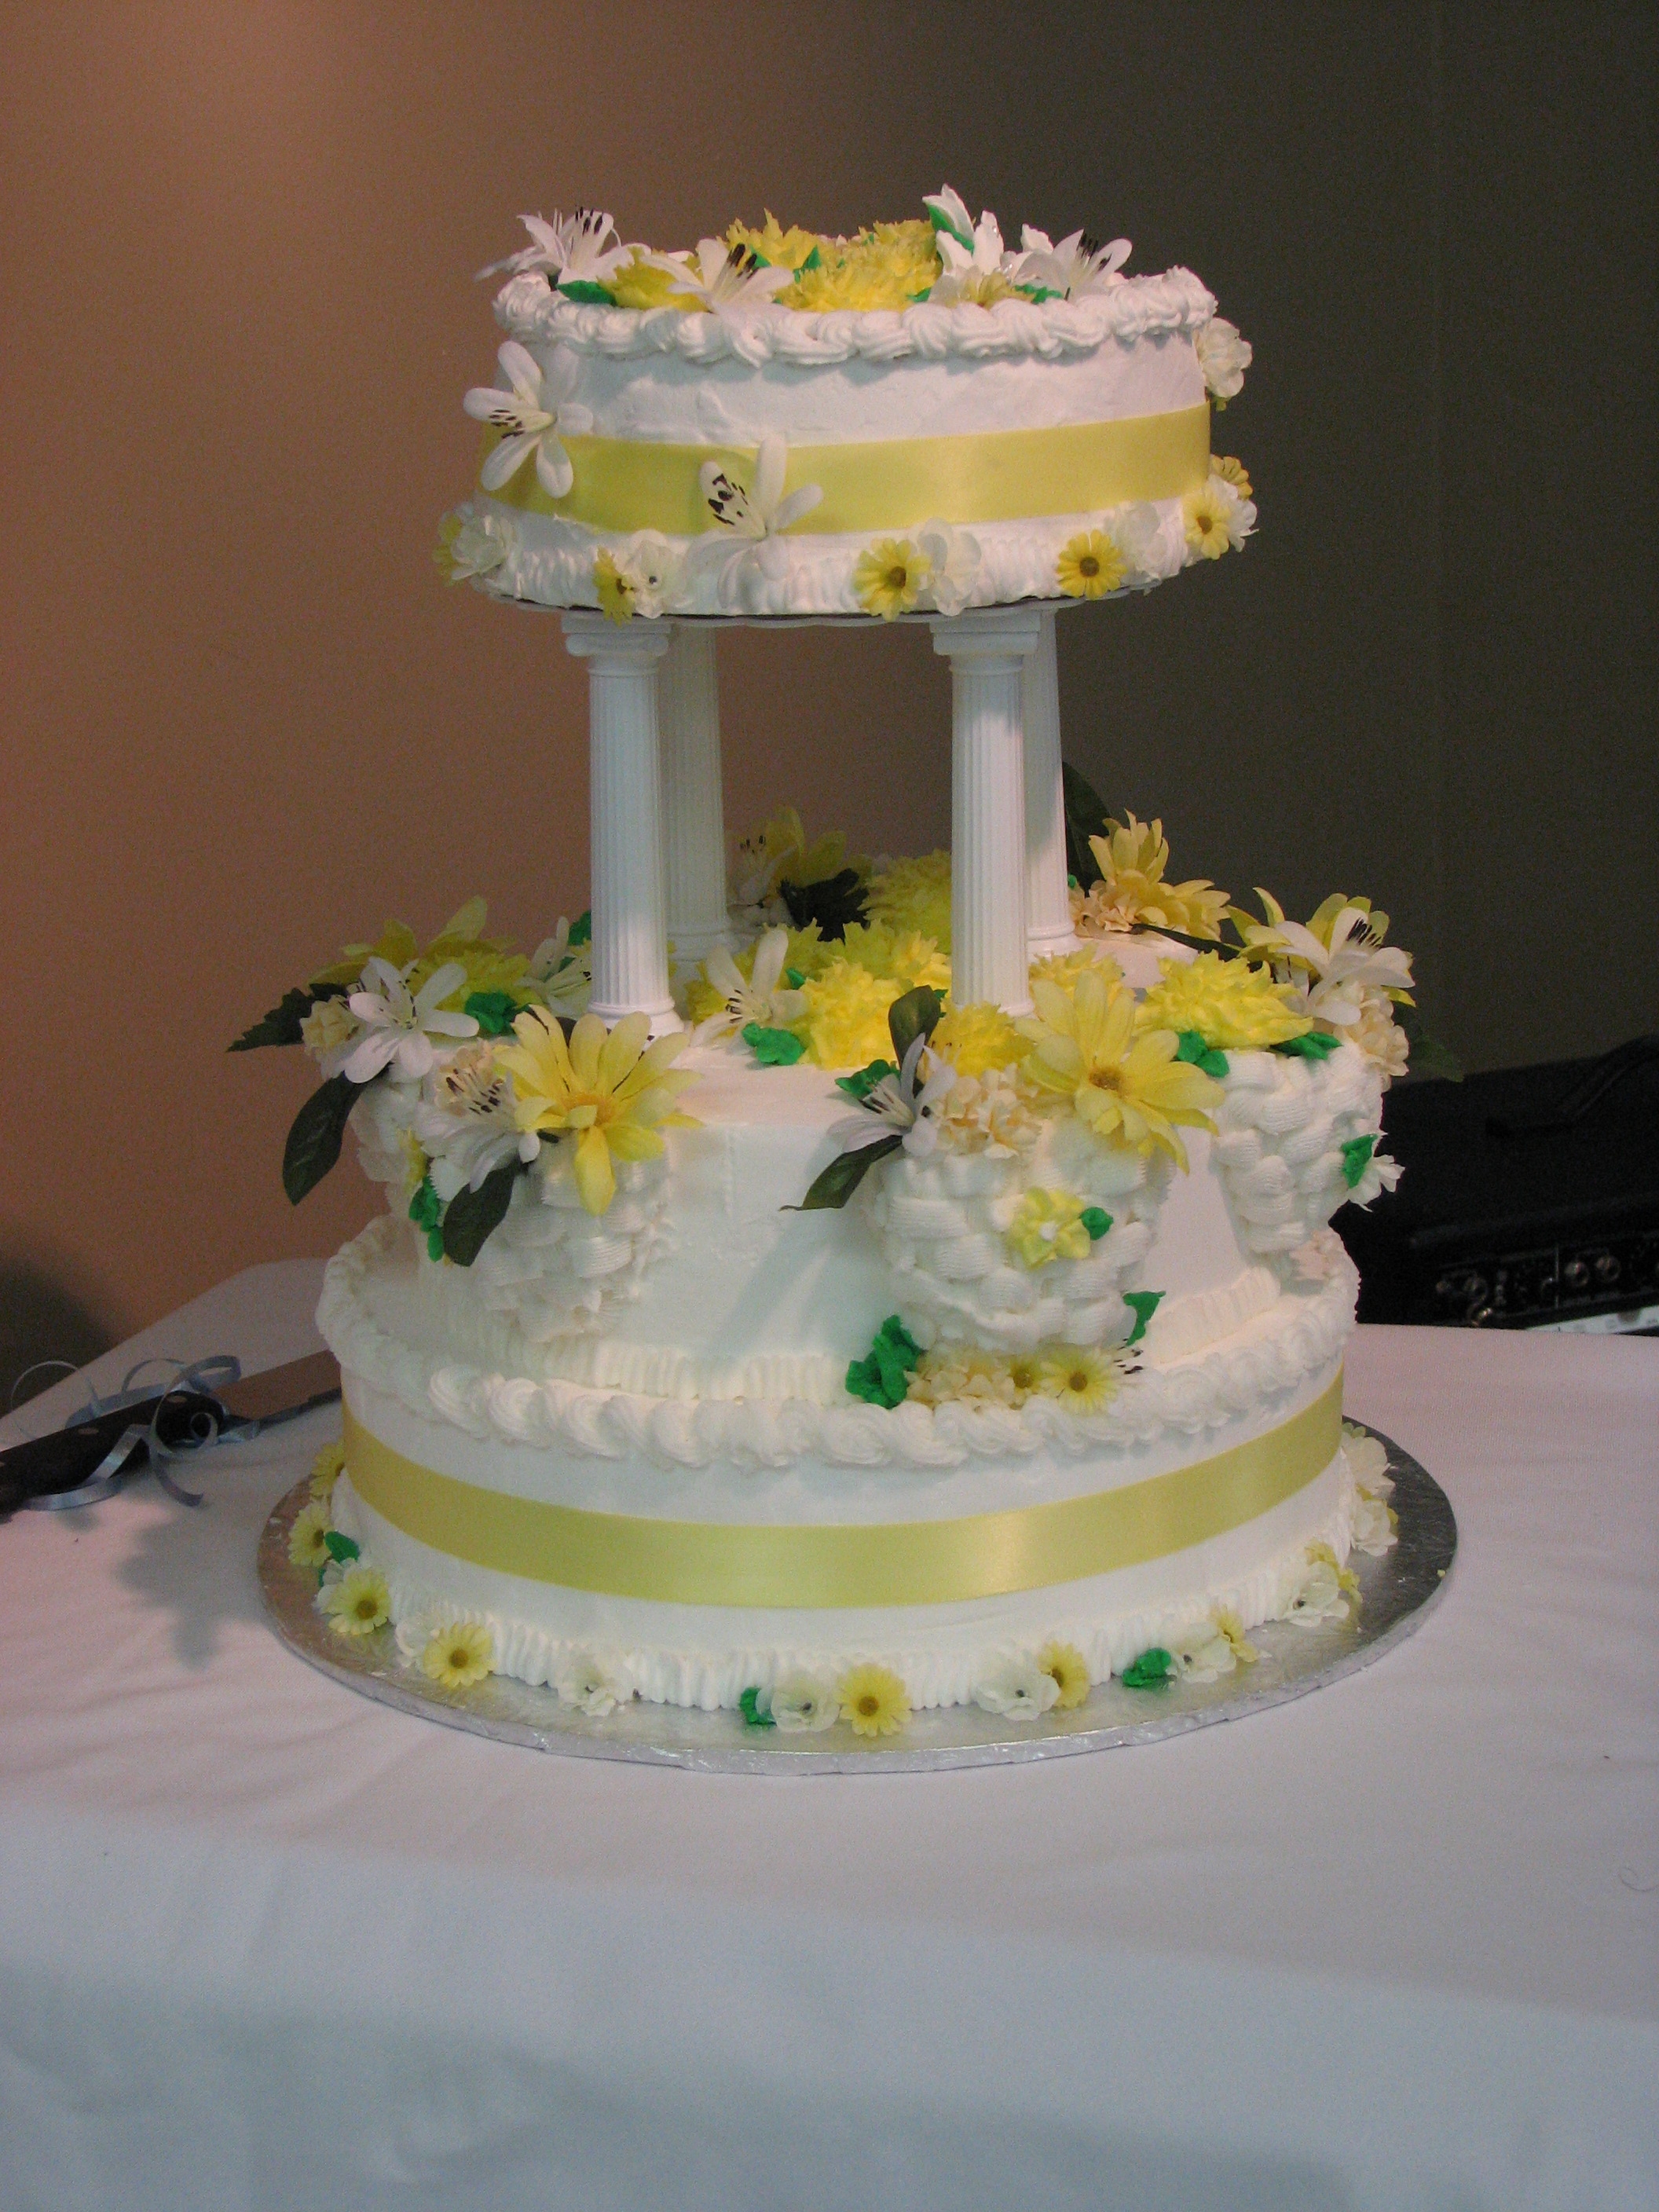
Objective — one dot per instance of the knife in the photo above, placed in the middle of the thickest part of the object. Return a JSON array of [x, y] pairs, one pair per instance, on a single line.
[[79, 1464]]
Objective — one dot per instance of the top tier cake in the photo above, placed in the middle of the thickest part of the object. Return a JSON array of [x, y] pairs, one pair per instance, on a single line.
[[917, 419]]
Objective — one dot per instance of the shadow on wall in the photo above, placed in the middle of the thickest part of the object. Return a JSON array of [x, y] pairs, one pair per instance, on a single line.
[[41, 1319]]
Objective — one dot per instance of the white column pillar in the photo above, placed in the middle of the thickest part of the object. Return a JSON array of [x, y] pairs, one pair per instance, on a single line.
[[1047, 902], [987, 654], [630, 935], [694, 816]]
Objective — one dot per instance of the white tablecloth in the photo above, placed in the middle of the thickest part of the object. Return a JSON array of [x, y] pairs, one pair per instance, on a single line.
[[264, 1944]]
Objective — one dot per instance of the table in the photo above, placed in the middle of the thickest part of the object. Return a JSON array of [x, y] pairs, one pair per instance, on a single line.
[[264, 1944]]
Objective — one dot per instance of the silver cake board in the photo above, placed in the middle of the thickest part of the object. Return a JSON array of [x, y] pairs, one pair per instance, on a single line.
[[1397, 1593]]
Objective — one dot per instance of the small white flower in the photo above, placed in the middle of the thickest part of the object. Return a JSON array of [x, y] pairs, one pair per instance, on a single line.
[[482, 544], [1320, 1598], [728, 280], [585, 1682], [1373, 1525], [535, 411], [754, 998], [651, 569], [1223, 355], [756, 518], [329, 1026], [398, 1030], [1380, 1174], [799, 1704], [1019, 1689], [1368, 1459], [1203, 1655], [563, 972], [572, 247], [467, 1124], [973, 252], [1079, 265], [954, 561], [896, 1104]]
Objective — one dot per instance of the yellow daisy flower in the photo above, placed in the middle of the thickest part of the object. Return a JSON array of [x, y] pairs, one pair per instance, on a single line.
[[1047, 1225], [609, 1091], [1234, 1007], [615, 591], [359, 1603], [1090, 566], [1026, 1373], [326, 1469], [307, 1542], [1126, 1090], [975, 1039], [1079, 1378], [1064, 1662], [1230, 472], [888, 576], [874, 1700], [1206, 514], [457, 1656]]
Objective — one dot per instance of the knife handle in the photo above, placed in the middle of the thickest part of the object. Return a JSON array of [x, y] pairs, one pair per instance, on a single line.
[[64, 1458]]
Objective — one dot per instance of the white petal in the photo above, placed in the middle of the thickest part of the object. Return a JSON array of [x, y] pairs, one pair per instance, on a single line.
[[562, 372], [799, 502], [723, 972], [553, 467], [768, 961], [1037, 241], [769, 464], [447, 1025], [370, 1055], [438, 986], [521, 372], [508, 459]]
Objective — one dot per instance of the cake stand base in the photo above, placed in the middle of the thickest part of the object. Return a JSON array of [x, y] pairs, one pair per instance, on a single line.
[[1397, 1592]]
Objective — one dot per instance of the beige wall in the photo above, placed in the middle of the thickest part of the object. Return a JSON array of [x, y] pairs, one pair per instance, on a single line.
[[244, 720]]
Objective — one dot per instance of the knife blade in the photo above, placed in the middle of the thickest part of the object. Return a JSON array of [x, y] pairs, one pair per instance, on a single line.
[[44, 1472]]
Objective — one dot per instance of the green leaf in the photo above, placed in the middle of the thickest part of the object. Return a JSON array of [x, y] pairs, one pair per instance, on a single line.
[[861, 1085], [1429, 1057], [586, 293], [340, 1548], [471, 1214], [281, 1025], [1096, 1221], [1313, 1044], [833, 904], [1150, 1671], [916, 1014], [493, 1012], [1216, 944], [844, 1174], [748, 1705], [1193, 1047], [772, 1047], [581, 930], [1143, 1304], [313, 1142], [1086, 818], [1356, 1158]]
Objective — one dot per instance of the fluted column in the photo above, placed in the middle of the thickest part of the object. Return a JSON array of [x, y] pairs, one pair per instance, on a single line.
[[1048, 900], [694, 817], [630, 936], [987, 654]]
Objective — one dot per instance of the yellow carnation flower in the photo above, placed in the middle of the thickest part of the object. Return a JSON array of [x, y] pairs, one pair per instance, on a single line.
[[874, 1700], [844, 1022], [1233, 1006], [1065, 1663], [1063, 969], [457, 1656], [902, 954], [1079, 1378], [307, 1542], [1129, 1090], [610, 1092], [975, 1039], [1132, 858], [888, 576], [778, 247], [1090, 566], [915, 895], [1048, 1224], [358, 1603], [326, 1469], [614, 589]]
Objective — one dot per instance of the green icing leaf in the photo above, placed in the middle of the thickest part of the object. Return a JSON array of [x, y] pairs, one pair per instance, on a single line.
[[844, 1174], [1086, 818], [1039, 293], [748, 1705], [581, 930], [471, 1214], [313, 1142], [883, 1377], [1144, 1305], [1150, 1671], [1313, 1044], [839, 900], [794, 979], [861, 1085], [281, 1025], [916, 1014], [1210, 1058], [493, 1011], [1356, 1158], [586, 293], [340, 1548], [1096, 1221], [814, 260], [772, 1047], [426, 1210]]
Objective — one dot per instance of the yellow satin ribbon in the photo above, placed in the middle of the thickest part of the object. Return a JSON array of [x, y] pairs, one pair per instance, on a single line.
[[891, 484], [893, 1563]]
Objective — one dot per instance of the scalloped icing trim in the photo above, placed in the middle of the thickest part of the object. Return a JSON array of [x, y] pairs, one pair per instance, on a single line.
[[1138, 307], [1292, 1340]]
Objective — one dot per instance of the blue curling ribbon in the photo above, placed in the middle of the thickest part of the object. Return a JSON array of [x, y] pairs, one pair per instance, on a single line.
[[205, 1376]]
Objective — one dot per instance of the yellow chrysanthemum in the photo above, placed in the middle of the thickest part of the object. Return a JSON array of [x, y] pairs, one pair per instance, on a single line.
[[359, 1603], [1063, 969], [1233, 1006], [977, 1038], [1205, 515], [1090, 566], [778, 247], [638, 284], [1065, 1663], [911, 246], [1079, 1378], [609, 1091], [308, 1542], [1230, 472], [614, 589], [1132, 858], [1129, 1090], [844, 1023], [326, 1469], [901, 955], [874, 1700], [915, 895], [1046, 1225], [888, 576], [457, 1656]]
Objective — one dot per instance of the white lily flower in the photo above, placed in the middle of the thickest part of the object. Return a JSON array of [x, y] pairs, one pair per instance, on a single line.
[[533, 416], [954, 558], [755, 998], [1076, 267], [467, 1124], [757, 518], [973, 253], [400, 1030], [1332, 979], [896, 1105], [725, 279], [570, 246], [562, 972]]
